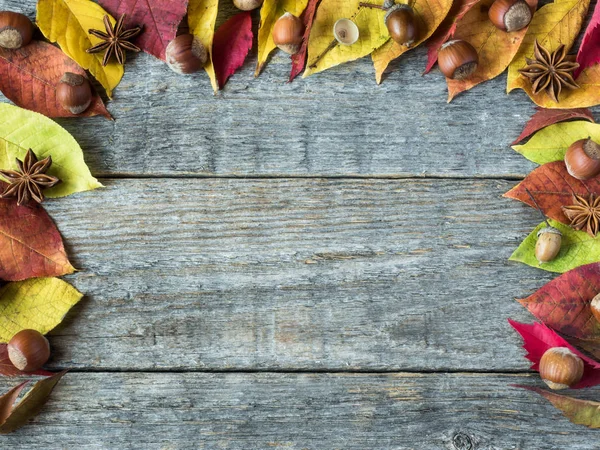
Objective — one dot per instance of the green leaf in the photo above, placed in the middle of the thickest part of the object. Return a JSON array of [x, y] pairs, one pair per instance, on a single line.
[[37, 303], [21, 130], [578, 248], [551, 143]]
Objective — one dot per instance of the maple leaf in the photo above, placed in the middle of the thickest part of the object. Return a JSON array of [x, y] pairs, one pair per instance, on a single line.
[[589, 51], [299, 58], [231, 44], [159, 20], [545, 117]]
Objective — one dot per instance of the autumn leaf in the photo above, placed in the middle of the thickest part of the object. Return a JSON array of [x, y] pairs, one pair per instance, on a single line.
[[321, 54], [538, 338], [232, 42], [429, 14], [159, 20], [37, 303], [8, 399], [545, 117], [551, 143], [67, 22], [7, 368], [31, 404], [202, 16], [553, 188], [29, 78], [270, 12], [21, 130], [446, 30], [299, 59], [589, 51]]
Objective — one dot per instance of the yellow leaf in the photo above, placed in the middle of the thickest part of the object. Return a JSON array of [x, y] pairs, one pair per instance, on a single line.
[[270, 12], [429, 14], [373, 34], [37, 303], [202, 15], [67, 22], [496, 48], [552, 25]]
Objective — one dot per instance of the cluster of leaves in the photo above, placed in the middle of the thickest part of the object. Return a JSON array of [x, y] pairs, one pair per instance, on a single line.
[[32, 253]]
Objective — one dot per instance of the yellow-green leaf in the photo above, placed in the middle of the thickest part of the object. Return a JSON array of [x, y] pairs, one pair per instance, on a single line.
[[551, 143], [202, 15], [37, 303], [430, 14], [578, 248], [373, 34], [21, 130], [270, 12], [67, 22]]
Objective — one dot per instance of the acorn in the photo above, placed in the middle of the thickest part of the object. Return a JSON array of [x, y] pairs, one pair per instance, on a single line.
[[345, 32], [510, 15], [560, 368], [186, 54], [16, 30], [595, 307], [288, 33], [583, 159], [74, 92], [247, 5], [547, 247], [457, 59], [28, 350], [401, 24]]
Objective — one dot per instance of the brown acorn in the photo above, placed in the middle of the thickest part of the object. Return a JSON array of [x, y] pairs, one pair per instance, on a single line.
[[510, 15], [186, 54], [28, 350], [74, 93], [288, 33], [547, 247], [401, 24], [457, 59], [16, 30], [560, 368], [583, 159]]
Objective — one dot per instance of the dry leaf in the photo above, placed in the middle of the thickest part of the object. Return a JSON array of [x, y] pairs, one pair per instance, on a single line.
[[299, 59], [545, 117], [232, 42], [8, 399], [202, 16]]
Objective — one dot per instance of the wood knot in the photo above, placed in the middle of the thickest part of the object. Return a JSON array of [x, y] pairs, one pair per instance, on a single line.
[[462, 441]]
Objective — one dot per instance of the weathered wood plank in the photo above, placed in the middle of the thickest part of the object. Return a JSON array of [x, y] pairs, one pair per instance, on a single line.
[[295, 274], [298, 411]]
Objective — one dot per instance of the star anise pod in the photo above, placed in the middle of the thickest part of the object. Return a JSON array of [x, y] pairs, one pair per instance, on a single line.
[[28, 182], [115, 40], [584, 213], [550, 71]]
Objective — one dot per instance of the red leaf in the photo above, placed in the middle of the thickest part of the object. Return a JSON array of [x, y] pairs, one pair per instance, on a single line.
[[589, 52], [7, 369], [299, 59], [538, 338], [30, 244], [231, 44], [564, 303], [446, 30], [29, 76], [159, 19], [545, 117], [553, 187]]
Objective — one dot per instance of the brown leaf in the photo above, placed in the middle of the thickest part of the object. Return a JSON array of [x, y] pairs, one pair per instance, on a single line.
[[29, 75], [8, 400], [8, 370], [545, 117]]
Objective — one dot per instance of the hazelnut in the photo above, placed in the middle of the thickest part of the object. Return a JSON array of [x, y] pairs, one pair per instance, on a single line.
[[186, 54], [16, 30], [28, 350], [345, 32], [560, 368], [595, 307], [288, 33], [74, 92], [548, 244], [247, 5], [510, 15], [583, 159], [457, 59], [401, 24]]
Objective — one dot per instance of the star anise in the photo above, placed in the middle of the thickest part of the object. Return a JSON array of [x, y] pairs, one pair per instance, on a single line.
[[115, 40], [584, 214], [29, 181], [550, 71]]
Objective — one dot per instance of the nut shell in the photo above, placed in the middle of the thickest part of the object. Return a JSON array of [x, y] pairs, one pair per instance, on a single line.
[[510, 15], [186, 54], [74, 93], [288, 33], [346, 32], [401, 24], [247, 5], [595, 307], [457, 59], [548, 244], [28, 350], [560, 368], [16, 30], [583, 159]]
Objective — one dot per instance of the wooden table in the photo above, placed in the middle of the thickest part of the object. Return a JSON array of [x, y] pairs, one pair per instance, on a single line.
[[315, 265]]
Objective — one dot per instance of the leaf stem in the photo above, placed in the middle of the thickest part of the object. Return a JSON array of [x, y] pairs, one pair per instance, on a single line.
[[372, 5], [323, 53], [538, 207]]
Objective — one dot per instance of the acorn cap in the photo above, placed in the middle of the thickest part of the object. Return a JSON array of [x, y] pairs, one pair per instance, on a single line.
[[346, 32], [394, 9], [548, 230]]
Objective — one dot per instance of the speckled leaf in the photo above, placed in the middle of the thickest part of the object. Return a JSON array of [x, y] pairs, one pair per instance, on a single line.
[[545, 117], [202, 16]]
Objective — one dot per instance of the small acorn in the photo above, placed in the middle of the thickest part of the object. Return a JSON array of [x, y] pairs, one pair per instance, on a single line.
[[595, 307], [186, 54], [560, 368], [16, 30], [74, 93], [345, 32], [510, 15], [583, 159], [288, 33], [457, 59], [547, 247], [247, 5], [28, 350], [401, 24]]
